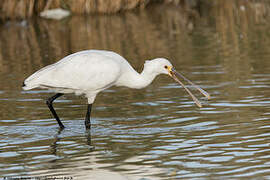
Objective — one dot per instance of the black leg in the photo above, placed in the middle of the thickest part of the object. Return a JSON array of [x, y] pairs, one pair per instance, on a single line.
[[88, 136], [49, 103], [87, 117]]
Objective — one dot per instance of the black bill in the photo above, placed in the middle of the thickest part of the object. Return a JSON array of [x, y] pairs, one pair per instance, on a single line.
[[175, 75]]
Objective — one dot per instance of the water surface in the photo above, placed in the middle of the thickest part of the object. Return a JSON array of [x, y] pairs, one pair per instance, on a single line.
[[156, 132]]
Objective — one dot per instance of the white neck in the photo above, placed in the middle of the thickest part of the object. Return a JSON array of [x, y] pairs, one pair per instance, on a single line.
[[133, 79]]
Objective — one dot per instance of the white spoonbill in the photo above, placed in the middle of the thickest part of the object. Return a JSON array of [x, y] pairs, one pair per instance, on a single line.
[[91, 71]]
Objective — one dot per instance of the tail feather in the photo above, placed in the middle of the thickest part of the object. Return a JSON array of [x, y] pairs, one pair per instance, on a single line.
[[25, 87]]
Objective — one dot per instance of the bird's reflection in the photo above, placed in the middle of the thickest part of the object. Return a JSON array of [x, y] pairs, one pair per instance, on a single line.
[[57, 138]]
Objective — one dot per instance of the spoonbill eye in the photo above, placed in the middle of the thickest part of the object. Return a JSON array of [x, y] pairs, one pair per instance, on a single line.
[[166, 67]]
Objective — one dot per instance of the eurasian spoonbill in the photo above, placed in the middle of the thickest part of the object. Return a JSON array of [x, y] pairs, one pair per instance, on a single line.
[[91, 71]]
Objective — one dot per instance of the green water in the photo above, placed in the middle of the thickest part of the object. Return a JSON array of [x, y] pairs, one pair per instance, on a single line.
[[153, 133]]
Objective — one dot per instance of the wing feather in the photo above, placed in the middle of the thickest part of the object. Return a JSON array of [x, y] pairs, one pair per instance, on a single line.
[[86, 71]]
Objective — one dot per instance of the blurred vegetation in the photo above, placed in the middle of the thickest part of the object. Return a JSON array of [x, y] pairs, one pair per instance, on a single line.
[[14, 9], [233, 27]]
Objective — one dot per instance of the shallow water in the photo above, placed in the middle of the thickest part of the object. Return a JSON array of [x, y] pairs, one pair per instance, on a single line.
[[153, 133]]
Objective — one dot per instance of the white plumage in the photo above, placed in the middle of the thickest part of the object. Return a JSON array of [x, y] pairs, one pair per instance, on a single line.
[[91, 71]]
